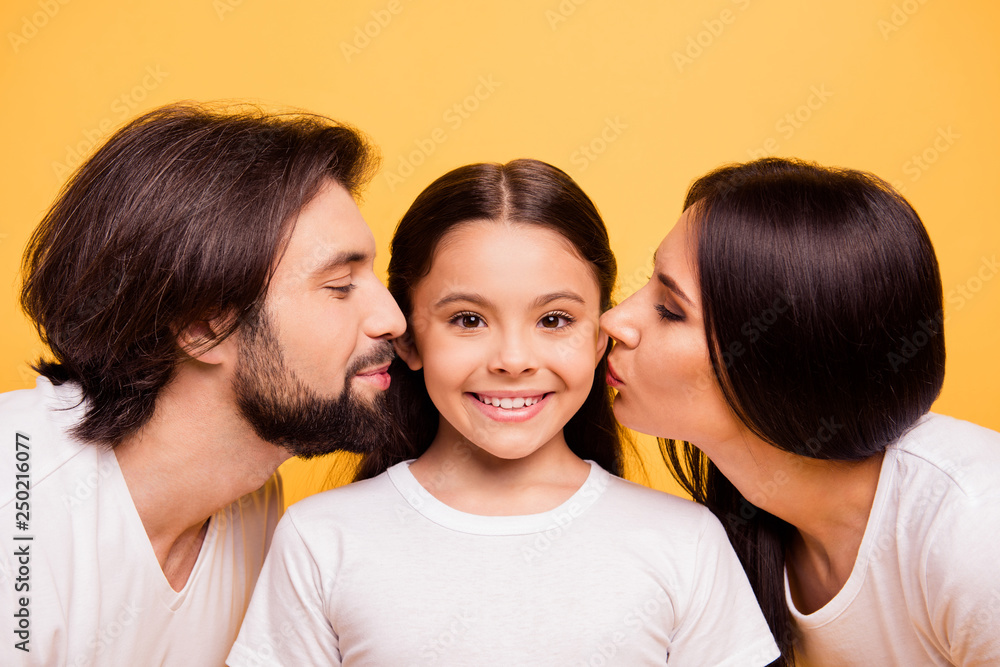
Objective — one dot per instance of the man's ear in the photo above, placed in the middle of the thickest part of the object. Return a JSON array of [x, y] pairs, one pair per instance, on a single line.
[[407, 351], [200, 341]]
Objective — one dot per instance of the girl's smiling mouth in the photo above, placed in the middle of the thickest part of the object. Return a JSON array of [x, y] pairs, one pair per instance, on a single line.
[[508, 406]]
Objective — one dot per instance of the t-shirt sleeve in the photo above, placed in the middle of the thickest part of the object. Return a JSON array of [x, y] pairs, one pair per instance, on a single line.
[[286, 623], [722, 623], [962, 586]]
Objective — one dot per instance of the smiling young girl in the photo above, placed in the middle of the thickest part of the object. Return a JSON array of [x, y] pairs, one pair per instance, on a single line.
[[497, 532]]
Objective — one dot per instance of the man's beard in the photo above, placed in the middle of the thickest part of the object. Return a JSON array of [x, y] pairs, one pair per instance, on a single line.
[[286, 412]]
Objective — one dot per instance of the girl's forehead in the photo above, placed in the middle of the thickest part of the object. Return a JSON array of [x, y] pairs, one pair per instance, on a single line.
[[503, 255], [487, 237]]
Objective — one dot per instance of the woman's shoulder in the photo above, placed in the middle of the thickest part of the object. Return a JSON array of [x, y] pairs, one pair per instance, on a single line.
[[948, 451]]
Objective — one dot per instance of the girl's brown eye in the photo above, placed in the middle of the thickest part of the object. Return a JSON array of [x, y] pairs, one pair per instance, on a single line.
[[555, 320]]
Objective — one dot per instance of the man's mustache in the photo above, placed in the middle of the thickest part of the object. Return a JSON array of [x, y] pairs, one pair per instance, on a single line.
[[383, 353]]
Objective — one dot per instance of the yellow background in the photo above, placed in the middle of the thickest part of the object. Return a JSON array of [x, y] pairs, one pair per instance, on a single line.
[[660, 92]]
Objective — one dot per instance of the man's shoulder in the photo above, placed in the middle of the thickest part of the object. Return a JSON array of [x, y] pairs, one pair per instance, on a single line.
[[34, 426]]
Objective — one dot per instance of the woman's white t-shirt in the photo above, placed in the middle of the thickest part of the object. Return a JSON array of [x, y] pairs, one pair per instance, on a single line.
[[925, 589]]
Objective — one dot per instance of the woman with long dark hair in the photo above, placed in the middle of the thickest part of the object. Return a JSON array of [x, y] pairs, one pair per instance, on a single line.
[[495, 530], [788, 349]]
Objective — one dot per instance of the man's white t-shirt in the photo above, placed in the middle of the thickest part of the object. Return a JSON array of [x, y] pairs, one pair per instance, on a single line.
[[925, 589], [78, 574], [382, 573]]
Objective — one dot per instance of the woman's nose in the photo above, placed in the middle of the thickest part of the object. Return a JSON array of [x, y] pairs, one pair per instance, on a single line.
[[620, 323]]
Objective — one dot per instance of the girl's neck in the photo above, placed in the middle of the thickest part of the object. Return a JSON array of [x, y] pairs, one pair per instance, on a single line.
[[470, 479]]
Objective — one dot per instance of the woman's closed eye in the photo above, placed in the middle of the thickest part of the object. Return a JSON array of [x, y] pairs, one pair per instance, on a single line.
[[667, 314]]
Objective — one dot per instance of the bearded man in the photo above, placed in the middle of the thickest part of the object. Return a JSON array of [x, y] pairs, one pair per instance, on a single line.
[[205, 286]]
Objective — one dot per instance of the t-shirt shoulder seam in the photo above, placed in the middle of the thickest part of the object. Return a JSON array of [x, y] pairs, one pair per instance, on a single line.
[[37, 481], [901, 451], [312, 556]]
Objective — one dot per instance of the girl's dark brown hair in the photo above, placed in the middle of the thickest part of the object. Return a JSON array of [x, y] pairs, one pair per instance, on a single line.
[[828, 280], [179, 218], [521, 191]]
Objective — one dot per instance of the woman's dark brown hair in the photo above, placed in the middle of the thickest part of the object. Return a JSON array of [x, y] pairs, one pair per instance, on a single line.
[[521, 191], [828, 280], [179, 218]]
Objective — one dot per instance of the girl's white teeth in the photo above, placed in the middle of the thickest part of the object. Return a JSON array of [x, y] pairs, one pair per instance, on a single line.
[[508, 403]]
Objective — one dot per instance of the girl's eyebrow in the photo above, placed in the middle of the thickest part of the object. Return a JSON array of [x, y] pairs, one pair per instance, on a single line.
[[483, 302], [469, 297], [555, 296]]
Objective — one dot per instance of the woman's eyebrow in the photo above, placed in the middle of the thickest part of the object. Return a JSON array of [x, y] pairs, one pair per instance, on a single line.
[[672, 285]]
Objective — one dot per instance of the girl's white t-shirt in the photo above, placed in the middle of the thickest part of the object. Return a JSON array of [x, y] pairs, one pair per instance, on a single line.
[[382, 573]]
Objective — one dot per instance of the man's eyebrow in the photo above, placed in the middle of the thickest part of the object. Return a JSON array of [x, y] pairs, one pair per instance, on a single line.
[[672, 285], [342, 259], [470, 297]]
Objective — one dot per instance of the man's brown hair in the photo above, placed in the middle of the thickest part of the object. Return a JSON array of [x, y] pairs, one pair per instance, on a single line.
[[179, 218]]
